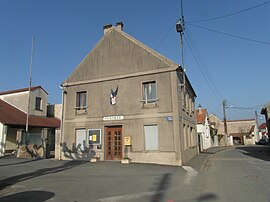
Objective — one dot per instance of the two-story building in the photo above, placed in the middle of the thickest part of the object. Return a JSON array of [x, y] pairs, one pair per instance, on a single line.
[[21, 109], [125, 100]]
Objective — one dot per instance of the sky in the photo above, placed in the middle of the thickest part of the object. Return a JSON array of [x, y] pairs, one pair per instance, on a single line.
[[226, 44]]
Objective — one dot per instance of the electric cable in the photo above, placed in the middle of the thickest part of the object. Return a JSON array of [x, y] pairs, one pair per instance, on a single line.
[[200, 68], [231, 35], [165, 36], [231, 14]]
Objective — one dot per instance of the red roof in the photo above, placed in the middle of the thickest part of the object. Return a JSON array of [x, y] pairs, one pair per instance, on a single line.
[[21, 90], [10, 115], [262, 126], [201, 115]]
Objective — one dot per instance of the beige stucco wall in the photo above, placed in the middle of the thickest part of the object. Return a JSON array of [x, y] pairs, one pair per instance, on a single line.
[[20, 101], [129, 105], [54, 111], [120, 61]]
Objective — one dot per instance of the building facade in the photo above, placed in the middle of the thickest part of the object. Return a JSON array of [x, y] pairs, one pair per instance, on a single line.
[[203, 128], [125, 100], [14, 107]]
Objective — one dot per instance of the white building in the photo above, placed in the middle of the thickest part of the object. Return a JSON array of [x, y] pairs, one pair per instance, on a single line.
[[203, 128]]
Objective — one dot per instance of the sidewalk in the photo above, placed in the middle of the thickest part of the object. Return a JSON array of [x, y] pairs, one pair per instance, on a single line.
[[199, 161]]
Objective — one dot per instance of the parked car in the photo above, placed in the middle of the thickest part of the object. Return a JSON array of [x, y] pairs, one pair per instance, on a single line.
[[262, 142]]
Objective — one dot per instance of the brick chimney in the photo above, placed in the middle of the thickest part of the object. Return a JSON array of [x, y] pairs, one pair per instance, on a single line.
[[119, 26], [106, 28]]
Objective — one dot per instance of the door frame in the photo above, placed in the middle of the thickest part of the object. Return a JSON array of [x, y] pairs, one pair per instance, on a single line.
[[106, 128]]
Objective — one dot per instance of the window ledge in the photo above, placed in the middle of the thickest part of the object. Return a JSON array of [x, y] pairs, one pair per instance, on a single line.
[[80, 111], [149, 105]]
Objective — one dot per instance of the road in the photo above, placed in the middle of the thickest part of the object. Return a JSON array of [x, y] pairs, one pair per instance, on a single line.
[[235, 174], [219, 174]]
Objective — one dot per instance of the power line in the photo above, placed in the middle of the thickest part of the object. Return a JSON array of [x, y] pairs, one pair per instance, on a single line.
[[200, 68], [166, 35], [231, 35], [231, 14]]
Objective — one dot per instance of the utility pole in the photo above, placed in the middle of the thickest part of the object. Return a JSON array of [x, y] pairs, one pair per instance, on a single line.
[[257, 127], [225, 122], [29, 90], [180, 27]]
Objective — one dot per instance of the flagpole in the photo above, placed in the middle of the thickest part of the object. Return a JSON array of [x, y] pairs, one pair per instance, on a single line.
[[29, 90]]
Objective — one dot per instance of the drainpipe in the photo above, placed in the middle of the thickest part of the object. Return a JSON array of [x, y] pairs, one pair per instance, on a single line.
[[62, 121]]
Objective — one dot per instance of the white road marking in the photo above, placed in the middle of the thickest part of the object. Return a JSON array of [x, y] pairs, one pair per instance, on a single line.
[[127, 197], [191, 174]]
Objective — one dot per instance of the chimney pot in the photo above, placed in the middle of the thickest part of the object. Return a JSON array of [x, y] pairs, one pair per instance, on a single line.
[[119, 26], [200, 108], [106, 28]]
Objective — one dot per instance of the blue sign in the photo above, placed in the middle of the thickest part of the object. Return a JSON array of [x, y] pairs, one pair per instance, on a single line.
[[169, 118]]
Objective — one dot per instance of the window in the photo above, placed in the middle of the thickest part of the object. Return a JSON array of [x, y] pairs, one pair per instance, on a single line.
[[149, 92], [151, 137], [38, 105], [81, 100], [80, 140]]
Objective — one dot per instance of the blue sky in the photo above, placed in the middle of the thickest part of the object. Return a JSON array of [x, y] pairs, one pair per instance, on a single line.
[[66, 30]]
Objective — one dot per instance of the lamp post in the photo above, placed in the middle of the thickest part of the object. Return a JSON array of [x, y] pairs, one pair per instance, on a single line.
[[225, 123]]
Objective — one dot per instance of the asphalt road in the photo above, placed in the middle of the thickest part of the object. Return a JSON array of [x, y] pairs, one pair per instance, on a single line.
[[219, 174]]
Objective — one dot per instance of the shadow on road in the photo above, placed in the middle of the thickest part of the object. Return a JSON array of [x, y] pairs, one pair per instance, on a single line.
[[207, 197], [45, 171], [162, 186], [259, 151], [29, 196], [22, 162]]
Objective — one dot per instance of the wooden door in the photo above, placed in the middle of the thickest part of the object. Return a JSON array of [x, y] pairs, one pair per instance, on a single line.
[[113, 143]]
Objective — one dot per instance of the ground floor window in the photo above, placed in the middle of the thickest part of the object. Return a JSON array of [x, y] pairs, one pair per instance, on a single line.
[[151, 137], [80, 139]]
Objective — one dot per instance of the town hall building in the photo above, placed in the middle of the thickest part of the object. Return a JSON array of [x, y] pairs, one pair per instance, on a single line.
[[127, 101]]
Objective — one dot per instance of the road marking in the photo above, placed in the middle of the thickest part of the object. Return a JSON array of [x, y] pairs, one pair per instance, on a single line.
[[191, 174], [127, 197]]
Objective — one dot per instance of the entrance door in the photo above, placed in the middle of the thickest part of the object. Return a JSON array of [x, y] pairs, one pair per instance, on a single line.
[[113, 143]]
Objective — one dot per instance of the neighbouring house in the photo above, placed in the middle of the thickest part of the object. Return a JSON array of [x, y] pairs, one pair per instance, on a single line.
[[39, 140], [216, 125], [203, 128], [127, 101], [243, 131], [266, 112]]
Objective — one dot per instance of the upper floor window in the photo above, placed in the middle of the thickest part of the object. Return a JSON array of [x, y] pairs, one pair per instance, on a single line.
[[81, 100], [149, 92], [38, 104]]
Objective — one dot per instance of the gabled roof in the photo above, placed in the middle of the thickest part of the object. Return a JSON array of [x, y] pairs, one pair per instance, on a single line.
[[10, 115], [241, 120], [22, 90], [201, 115], [114, 55]]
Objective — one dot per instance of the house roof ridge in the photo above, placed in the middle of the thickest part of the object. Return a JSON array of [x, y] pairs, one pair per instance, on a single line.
[[22, 90], [137, 42], [10, 115]]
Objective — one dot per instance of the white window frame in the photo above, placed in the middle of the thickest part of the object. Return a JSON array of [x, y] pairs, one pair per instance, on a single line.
[[145, 100], [83, 139], [40, 104], [151, 141], [78, 101]]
